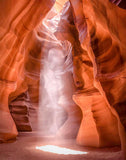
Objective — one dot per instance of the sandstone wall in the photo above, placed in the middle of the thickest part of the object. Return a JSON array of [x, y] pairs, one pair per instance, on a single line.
[[18, 18], [96, 31]]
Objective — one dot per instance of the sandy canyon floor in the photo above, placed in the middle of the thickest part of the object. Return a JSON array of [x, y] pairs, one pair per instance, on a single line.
[[28, 147]]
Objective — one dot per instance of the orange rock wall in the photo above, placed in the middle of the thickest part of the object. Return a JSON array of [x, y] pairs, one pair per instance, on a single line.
[[18, 18], [88, 97], [96, 31], [101, 28]]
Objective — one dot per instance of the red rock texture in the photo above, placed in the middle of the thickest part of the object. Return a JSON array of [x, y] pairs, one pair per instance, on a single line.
[[96, 31], [101, 28], [91, 132], [19, 109], [18, 19]]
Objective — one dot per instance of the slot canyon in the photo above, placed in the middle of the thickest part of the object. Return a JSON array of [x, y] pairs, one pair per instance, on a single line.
[[63, 79]]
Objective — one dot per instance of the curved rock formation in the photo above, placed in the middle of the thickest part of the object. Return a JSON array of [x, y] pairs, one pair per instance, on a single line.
[[98, 25], [95, 31], [92, 132], [19, 109], [17, 20]]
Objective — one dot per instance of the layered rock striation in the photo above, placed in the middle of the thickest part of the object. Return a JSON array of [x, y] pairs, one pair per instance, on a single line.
[[95, 32], [18, 19]]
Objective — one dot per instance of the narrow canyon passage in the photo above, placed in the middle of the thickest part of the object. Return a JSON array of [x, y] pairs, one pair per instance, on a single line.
[[57, 110], [62, 80]]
